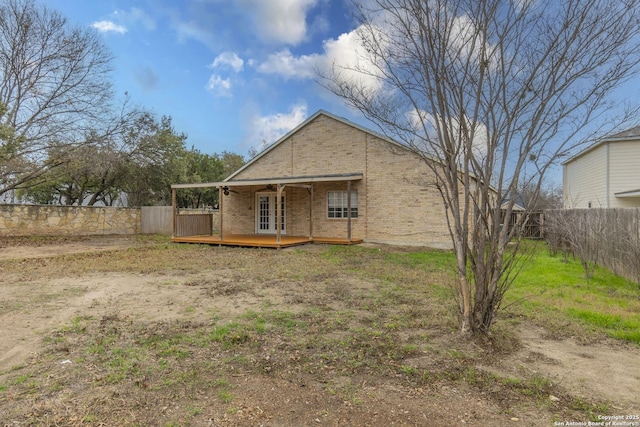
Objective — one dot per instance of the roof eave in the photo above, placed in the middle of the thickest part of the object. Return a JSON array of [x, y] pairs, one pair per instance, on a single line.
[[603, 141], [276, 180], [625, 194]]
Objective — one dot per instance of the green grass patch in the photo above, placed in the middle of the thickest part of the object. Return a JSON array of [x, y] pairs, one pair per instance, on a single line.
[[618, 326], [229, 334], [553, 292]]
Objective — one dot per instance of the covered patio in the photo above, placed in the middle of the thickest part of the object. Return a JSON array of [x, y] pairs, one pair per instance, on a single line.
[[269, 230]]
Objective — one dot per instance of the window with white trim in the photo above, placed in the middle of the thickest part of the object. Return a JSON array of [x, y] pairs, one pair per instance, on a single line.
[[337, 204]]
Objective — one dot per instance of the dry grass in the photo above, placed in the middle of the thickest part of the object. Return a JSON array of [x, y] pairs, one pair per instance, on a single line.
[[344, 323]]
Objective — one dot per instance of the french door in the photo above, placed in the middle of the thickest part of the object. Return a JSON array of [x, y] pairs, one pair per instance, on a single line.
[[266, 213]]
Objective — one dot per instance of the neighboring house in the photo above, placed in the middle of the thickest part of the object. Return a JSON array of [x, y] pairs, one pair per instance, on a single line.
[[606, 174], [330, 180]]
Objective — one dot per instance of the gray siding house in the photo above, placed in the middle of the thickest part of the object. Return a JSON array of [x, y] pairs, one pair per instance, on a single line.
[[606, 174]]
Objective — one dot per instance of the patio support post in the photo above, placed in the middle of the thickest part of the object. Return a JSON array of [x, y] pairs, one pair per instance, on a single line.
[[349, 210], [310, 212], [174, 212], [220, 210], [279, 213]]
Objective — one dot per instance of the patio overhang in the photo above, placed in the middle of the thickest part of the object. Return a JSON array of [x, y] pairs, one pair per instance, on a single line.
[[285, 180], [278, 184]]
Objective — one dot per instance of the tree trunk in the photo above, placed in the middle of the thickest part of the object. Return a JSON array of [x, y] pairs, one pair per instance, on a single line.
[[467, 326], [464, 290]]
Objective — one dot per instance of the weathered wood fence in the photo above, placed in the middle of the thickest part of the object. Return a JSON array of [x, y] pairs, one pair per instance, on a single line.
[[608, 237], [189, 222], [156, 220], [200, 224]]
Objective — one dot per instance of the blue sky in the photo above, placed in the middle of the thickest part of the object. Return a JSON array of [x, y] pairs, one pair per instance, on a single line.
[[233, 74]]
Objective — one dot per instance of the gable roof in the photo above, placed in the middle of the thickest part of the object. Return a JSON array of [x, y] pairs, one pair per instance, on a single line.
[[339, 119], [303, 124], [625, 135]]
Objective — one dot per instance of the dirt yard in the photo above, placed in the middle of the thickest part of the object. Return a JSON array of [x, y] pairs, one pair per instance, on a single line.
[[127, 331]]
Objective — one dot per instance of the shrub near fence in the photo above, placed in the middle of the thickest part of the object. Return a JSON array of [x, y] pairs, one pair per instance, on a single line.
[[607, 237]]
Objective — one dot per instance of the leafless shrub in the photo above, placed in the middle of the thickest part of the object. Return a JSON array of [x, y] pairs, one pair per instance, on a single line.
[[608, 237]]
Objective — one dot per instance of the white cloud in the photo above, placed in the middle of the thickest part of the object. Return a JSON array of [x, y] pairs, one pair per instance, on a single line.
[[284, 64], [424, 124], [186, 30], [219, 86], [279, 21], [345, 54], [266, 130], [109, 27], [349, 58], [123, 20], [228, 59], [135, 15]]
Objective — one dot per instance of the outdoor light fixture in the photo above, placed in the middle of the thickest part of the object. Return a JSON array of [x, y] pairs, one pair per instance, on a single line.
[[226, 190]]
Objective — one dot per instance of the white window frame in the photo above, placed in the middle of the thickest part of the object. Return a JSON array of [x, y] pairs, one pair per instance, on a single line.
[[337, 204]]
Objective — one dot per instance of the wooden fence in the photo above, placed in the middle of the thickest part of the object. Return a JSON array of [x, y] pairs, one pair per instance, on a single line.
[[189, 222], [532, 228], [195, 224], [156, 220], [608, 237]]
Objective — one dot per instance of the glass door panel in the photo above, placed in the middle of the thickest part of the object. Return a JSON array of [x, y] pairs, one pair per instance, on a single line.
[[266, 213]]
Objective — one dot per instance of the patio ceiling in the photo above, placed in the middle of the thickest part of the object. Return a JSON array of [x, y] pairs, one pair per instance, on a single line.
[[278, 180]]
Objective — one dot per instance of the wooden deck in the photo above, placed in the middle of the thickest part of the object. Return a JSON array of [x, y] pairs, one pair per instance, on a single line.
[[261, 241]]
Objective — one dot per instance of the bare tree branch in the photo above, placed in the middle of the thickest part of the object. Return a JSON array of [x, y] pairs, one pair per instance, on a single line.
[[492, 94], [55, 84]]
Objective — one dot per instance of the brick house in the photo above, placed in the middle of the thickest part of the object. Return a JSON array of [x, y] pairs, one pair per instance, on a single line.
[[329, 180]]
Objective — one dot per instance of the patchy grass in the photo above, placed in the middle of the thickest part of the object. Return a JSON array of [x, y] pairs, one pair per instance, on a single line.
[[555, 293], [352, 322]]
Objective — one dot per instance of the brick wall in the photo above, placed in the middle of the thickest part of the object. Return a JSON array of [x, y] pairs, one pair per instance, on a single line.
[[396, 205], [404, 206]]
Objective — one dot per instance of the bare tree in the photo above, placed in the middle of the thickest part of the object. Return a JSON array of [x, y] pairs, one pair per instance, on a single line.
[[54, 85], [630, 245], [582, 233], [542, 198], [491, 93], [607, 237]]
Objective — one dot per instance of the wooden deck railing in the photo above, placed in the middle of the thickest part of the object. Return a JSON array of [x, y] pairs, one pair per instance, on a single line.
[[193, 225]]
